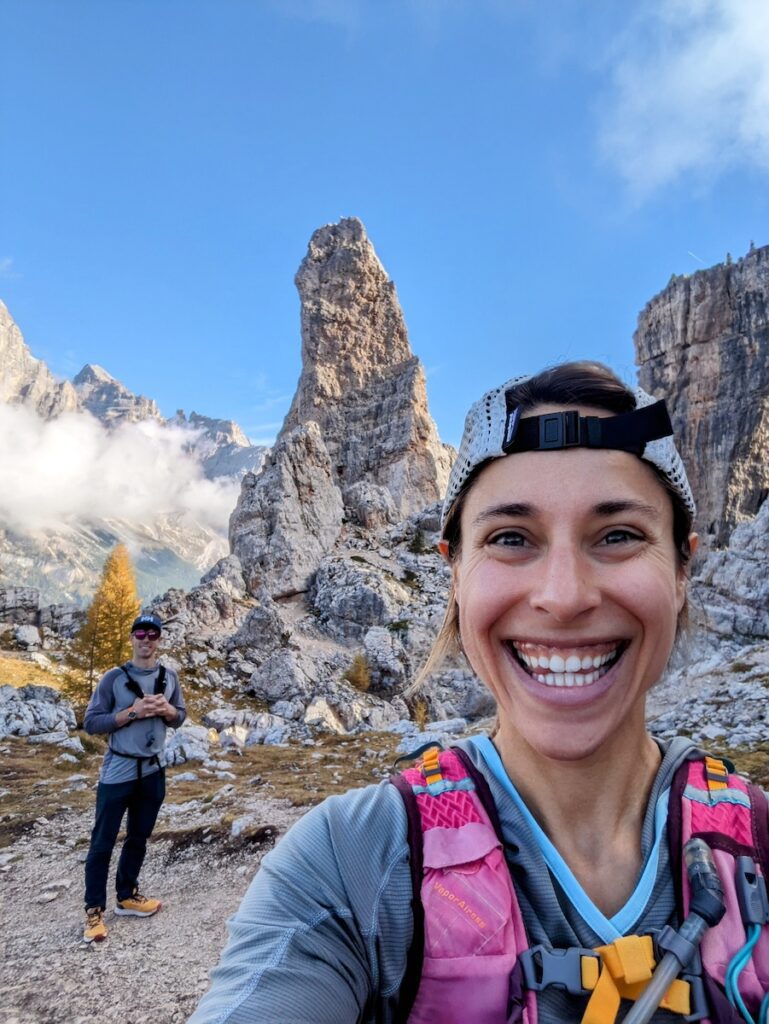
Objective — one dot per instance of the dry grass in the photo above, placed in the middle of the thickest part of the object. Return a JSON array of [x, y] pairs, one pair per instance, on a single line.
[[302, 775], [36, 786], [754, 763], [19, 672]]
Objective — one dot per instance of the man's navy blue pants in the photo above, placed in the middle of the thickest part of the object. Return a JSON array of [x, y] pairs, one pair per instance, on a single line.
[[142, 799]]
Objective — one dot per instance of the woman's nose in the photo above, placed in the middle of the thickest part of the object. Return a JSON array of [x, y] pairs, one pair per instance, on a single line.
[[566, 585]]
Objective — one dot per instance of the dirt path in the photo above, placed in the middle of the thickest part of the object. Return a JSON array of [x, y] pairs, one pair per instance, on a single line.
[[149, 971]]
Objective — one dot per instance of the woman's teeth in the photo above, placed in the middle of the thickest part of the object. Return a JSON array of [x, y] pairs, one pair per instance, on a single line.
[[573, 669]]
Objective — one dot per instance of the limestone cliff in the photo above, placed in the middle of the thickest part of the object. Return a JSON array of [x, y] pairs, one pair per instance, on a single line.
[[703, 343]]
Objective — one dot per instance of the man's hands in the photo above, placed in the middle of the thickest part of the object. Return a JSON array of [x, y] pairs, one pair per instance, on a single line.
[[152, 706]]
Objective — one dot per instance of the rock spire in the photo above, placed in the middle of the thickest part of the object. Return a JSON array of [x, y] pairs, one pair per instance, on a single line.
[[360, 381], [358, 441]]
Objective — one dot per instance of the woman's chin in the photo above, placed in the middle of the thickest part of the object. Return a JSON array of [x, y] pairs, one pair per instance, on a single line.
[[557, 743]]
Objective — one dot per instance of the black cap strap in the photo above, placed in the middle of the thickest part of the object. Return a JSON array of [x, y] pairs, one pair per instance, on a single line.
[[627, 432]]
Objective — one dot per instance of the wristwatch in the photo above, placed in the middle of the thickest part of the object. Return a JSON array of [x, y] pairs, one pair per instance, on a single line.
[[132, 715]]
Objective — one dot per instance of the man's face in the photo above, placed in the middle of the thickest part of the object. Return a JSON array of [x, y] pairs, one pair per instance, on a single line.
[[144, 643]]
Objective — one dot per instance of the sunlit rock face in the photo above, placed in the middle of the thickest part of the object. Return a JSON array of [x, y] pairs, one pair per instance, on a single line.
[[703, 344]]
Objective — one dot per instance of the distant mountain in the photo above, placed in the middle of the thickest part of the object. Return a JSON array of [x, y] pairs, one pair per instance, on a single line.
[[173, 549]]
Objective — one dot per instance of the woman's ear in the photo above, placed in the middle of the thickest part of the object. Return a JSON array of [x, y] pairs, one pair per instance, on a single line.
[[443, 547], [694, 541]]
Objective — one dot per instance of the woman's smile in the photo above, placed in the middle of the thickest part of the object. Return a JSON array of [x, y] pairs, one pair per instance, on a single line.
[[569, 666]]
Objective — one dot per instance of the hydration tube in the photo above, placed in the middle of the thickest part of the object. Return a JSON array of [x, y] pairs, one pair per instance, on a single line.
[[705, 910]]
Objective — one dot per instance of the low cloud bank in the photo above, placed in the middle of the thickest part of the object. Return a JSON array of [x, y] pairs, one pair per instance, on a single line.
[[72, 469]]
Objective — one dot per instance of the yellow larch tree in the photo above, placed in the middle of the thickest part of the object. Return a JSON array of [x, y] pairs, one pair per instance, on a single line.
[[104, 640]]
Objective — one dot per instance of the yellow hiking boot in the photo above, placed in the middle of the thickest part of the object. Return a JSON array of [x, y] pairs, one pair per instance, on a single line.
[[138, 905], [95, 928]]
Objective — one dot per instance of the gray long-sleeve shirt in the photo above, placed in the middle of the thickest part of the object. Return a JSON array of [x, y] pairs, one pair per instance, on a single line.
[[144, 737], [323, 931]]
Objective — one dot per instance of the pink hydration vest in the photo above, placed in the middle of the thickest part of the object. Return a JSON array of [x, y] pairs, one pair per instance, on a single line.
[[470, 958]]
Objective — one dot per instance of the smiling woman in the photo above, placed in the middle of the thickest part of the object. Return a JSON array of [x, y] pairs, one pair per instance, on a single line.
[[535, 874]]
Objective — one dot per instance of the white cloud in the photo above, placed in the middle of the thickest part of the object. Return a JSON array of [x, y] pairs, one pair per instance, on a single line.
[[690, 92], [6, 267], [71, 469]]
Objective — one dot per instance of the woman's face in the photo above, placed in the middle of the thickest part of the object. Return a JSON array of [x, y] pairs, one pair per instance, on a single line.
[[569, 590]]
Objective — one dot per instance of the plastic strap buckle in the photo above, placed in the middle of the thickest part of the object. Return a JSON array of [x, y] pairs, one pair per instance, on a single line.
[[559, 967], [559, 429]]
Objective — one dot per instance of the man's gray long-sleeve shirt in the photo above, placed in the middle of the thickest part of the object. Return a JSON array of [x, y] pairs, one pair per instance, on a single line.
[[143, 738], [322, 934]]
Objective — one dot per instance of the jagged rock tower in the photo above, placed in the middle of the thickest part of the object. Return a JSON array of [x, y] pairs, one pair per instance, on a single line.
[[703, 343], [358, 440]]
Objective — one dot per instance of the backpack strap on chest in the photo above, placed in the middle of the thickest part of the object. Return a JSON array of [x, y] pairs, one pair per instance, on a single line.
[[136, 690], [710, 801], [468, 927]]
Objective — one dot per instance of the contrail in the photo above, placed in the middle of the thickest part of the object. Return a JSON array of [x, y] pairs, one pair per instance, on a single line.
[[694, 256]]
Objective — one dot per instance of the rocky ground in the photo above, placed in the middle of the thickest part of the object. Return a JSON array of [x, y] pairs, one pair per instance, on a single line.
[[212, 833], [149, 971]]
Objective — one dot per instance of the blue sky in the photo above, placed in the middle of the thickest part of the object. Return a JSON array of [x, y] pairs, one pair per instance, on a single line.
[[531, 174]]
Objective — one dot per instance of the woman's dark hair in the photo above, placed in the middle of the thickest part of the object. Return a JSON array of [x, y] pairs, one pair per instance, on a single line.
[[569, 384]]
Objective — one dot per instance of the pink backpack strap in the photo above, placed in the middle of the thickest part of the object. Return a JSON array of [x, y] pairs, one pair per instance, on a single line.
[[710, 801], [468, 927]]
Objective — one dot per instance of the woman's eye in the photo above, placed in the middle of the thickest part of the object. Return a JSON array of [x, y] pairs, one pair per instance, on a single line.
[[508, 539], [620, 537]]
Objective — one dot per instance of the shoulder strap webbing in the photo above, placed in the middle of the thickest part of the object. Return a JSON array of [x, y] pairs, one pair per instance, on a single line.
[[415, 956], [136, 690]]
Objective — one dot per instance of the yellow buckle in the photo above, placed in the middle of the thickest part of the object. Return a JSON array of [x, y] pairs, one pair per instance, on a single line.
[[431, 768]]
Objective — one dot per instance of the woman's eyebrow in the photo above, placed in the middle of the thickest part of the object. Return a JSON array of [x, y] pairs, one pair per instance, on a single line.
[[516, 510], [612, 508]]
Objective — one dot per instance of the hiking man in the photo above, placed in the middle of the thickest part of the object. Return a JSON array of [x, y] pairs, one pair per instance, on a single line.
[[134, 704]]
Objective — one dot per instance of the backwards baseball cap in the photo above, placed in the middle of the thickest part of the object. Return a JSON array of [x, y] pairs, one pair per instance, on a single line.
[[494, 427], [147, 622]]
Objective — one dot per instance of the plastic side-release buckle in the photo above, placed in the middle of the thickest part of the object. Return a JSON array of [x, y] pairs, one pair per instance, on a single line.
[[560, 967], [559, 429], [751, 892]]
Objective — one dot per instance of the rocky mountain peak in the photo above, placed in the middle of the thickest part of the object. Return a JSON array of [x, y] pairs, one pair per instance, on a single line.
[[25, 380], [109, 400], [703, 343], [92, 374]]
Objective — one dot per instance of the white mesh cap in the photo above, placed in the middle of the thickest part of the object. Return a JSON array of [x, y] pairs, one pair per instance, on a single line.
[[483, 438]]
